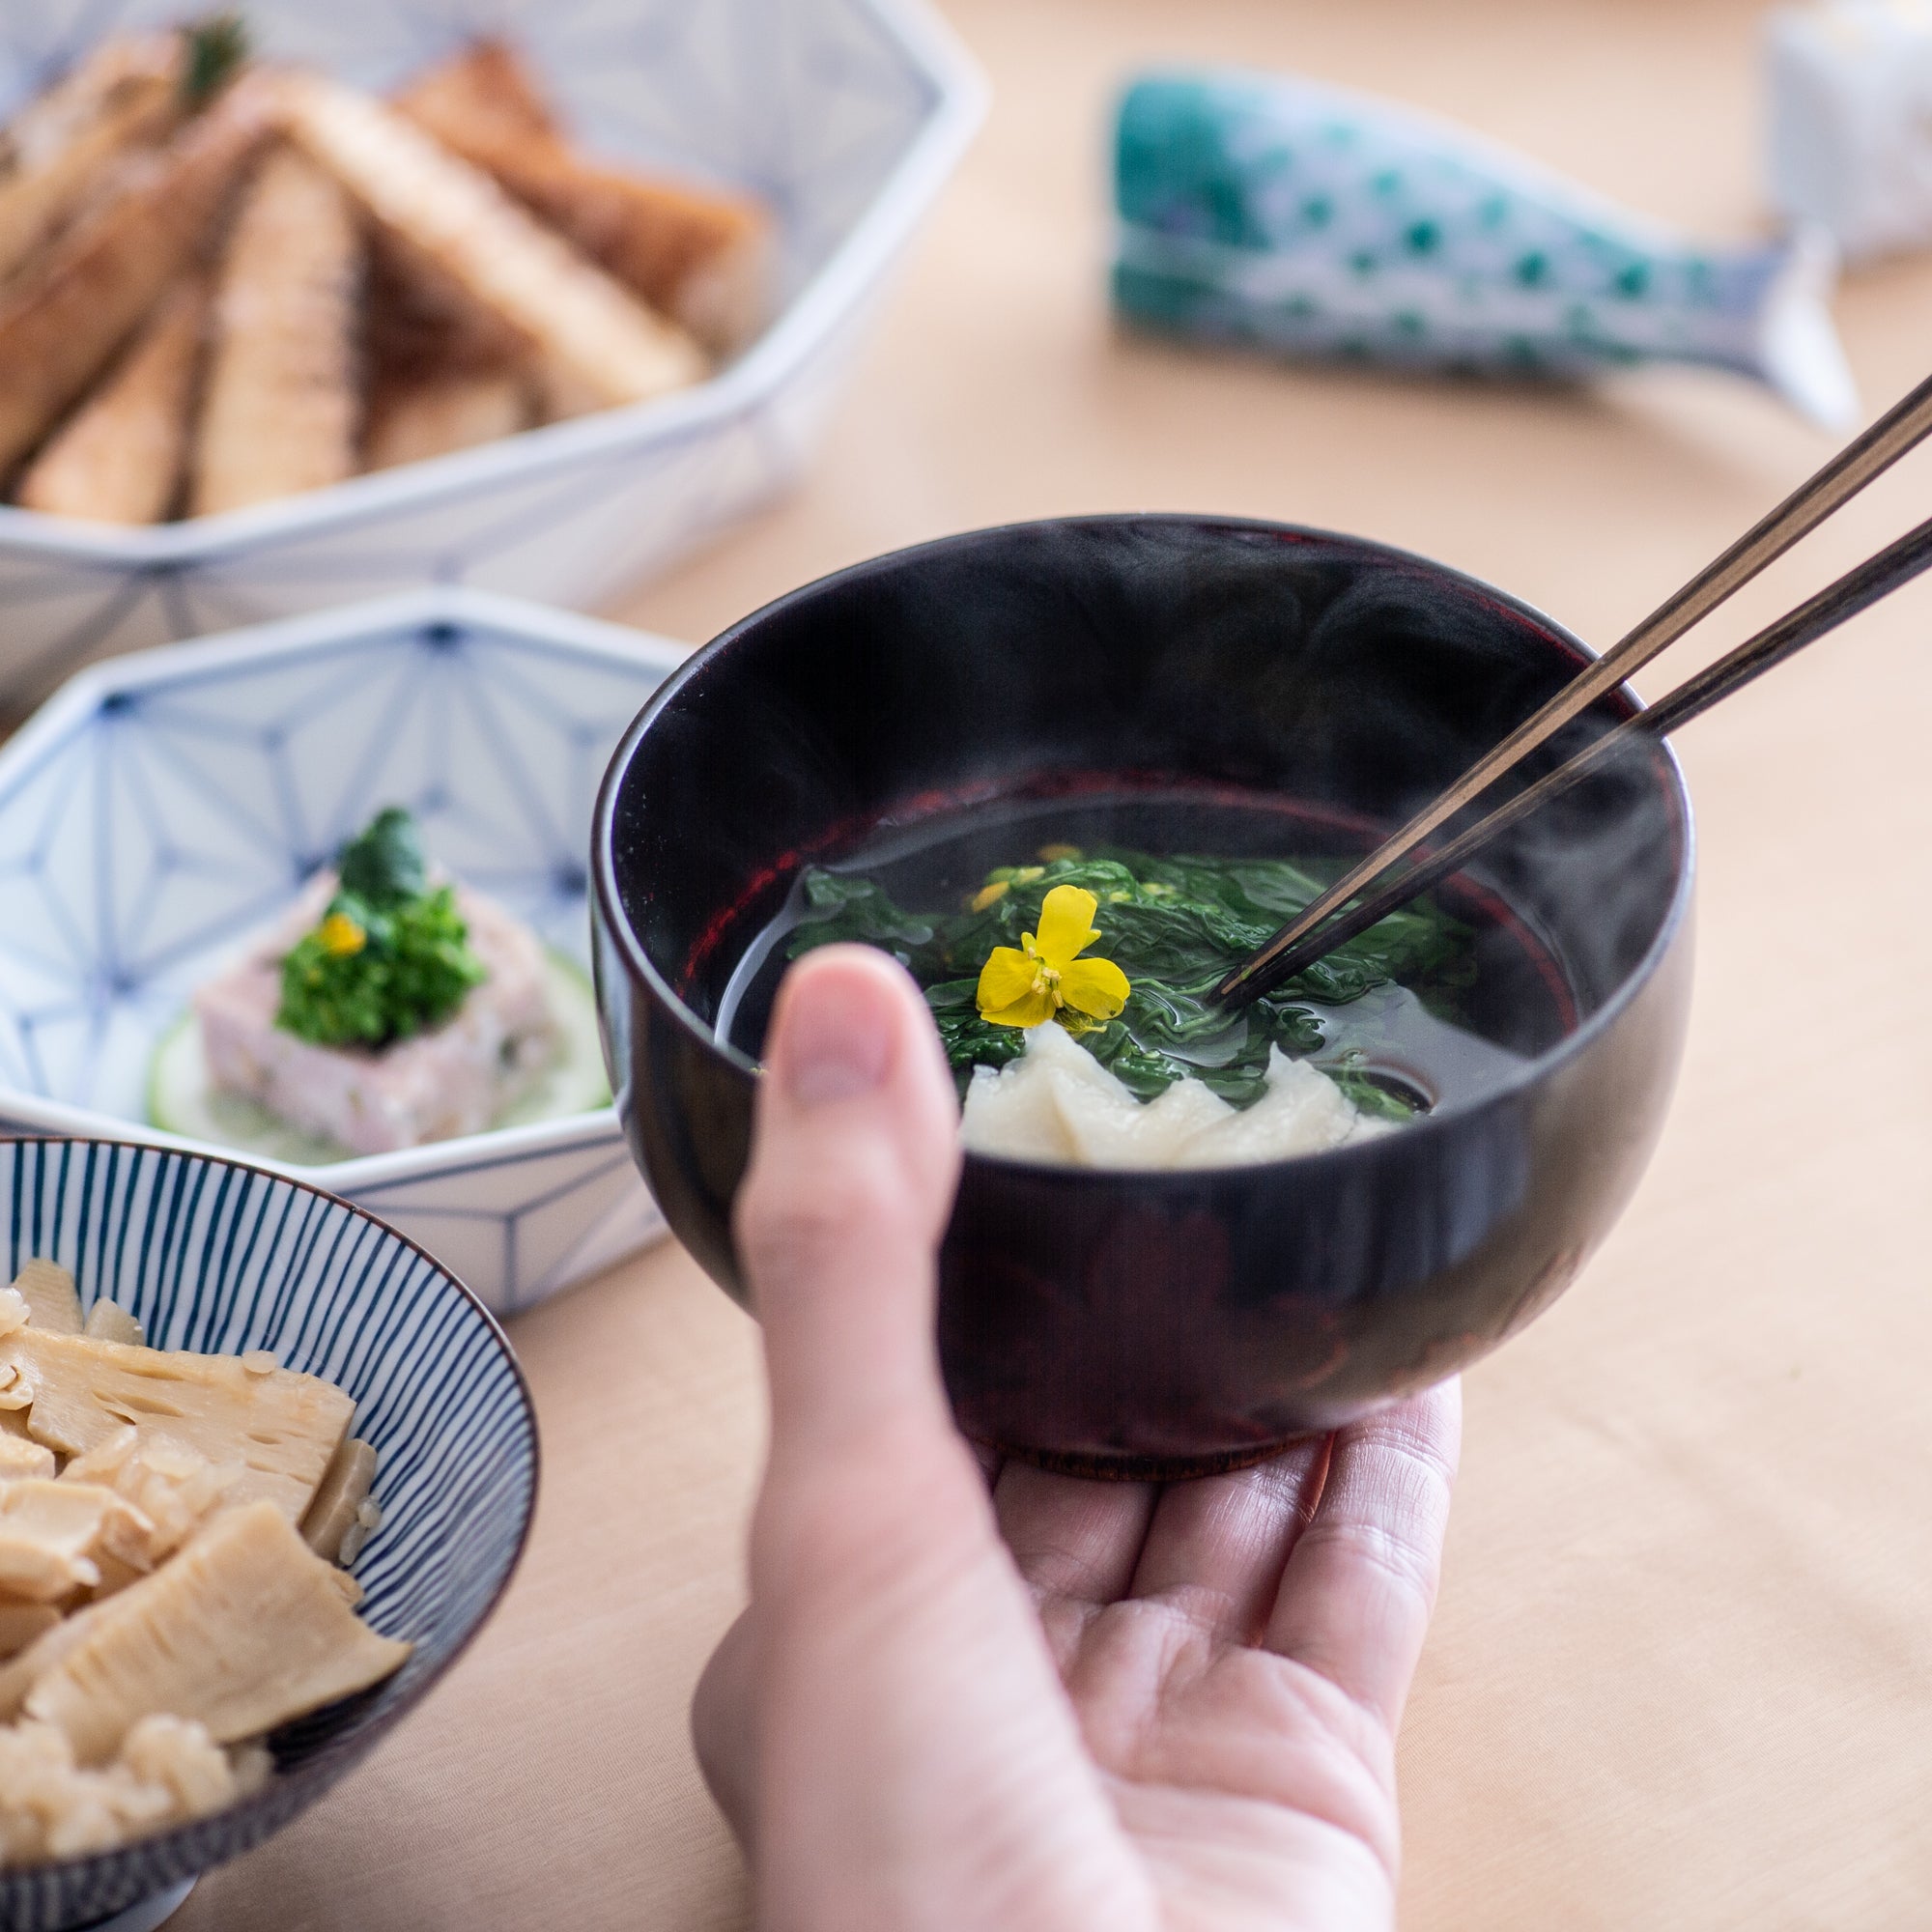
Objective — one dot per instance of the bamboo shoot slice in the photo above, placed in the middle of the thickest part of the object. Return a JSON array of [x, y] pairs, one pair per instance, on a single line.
[[48, 1531], [126, 93], [20, 1456], [415, 421], [341, 1495], [240, 1631], [21, 1673], [562, 305], [279, 414], [118, 459], [24, 1623], [109, 1322], [53, 1305], [64, 317], [281, 1429], [173, 1492]]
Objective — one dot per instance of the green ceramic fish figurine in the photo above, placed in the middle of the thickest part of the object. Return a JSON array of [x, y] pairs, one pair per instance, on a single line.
[[1294, 216]]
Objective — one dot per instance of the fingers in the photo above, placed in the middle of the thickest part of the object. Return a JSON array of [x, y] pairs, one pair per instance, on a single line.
[[1360, 1584], [722, 1710], [853, 1168], [898, 1668], [1216, 1546], [1071, 1538]]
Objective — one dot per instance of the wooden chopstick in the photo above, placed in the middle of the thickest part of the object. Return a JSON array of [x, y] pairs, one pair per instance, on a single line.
[[1866, 456], [1856, 590]]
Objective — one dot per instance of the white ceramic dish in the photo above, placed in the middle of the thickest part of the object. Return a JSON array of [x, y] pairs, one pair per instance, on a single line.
[[845, 115], [166, 805]]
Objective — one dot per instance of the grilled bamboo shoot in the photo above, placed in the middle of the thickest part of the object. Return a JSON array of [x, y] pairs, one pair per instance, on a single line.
[[118, 460], [416, 420], [64, 320], [562, 305], [703, 257], [280, 410], [127, 93]]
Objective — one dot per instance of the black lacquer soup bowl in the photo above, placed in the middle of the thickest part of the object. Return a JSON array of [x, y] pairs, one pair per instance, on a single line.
[[1164, 1324]]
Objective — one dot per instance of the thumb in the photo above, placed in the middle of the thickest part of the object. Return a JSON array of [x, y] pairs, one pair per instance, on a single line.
[[854, 1164], [896, 1670]]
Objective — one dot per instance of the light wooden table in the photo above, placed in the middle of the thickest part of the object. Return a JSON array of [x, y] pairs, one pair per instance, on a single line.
[[1683, 1670]]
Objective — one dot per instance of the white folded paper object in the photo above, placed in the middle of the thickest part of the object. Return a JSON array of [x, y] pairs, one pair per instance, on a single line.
[[1850, 127]]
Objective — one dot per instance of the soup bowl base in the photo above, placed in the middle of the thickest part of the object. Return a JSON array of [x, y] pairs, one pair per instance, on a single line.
[[1127, 1467]]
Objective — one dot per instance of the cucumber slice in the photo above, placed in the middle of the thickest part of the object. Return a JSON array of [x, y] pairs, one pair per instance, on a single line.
[[182, 1101]]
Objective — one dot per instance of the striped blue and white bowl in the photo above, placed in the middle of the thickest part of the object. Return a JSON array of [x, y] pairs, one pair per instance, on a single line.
[[216, 1256]]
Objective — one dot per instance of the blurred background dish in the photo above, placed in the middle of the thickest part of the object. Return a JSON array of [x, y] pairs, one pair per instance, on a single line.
[[226, 1258], [842, 118], [166, 807]]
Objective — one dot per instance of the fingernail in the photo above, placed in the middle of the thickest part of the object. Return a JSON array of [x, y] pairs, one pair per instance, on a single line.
[[837, 1039]]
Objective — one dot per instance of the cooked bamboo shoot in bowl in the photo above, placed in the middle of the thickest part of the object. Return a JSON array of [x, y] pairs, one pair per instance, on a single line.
[[265, 1467]]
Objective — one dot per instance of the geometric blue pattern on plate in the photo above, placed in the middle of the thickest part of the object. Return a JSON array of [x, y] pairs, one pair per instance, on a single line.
[[845, 115], [215, 1255], [168, 805]]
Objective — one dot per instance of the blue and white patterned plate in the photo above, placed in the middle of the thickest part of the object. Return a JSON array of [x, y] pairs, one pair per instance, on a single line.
[[212, 1255], [168, 805], [847, 116]]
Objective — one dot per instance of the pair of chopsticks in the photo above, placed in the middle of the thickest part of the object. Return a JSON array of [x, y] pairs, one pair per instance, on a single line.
[[1329, 920]]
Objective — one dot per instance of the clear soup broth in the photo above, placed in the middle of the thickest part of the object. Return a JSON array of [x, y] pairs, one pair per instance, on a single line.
[[1487, 991]]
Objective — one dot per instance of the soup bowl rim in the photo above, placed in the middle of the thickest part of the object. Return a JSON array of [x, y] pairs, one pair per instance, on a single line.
[[1535, 1069]]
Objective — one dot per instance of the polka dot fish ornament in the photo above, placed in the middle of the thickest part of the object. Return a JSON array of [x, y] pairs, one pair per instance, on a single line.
[[1293, 216]]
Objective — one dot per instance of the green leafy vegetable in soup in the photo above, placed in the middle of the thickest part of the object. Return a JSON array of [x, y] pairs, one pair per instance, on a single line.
[[390, 955], [1173, 926]]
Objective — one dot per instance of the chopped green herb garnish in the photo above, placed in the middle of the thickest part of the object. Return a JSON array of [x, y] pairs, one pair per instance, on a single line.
[[1173, 926], [383, 864], [216, 49], [389, 957]]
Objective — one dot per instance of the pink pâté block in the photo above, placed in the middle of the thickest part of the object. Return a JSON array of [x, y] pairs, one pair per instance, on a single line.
[[455, 1079]]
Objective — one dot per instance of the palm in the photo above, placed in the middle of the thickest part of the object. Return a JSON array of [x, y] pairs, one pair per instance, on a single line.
[[1089, 1704], [1236, 1830], [1196, 1636]]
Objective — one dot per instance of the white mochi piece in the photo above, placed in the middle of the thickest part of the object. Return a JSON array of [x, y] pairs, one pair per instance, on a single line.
[[1850, 84], [1010, 1112], [1057, 1103], [1301, 1111], [1108, 1126]]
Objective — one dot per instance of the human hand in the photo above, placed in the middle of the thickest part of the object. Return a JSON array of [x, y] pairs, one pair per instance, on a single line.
[[1039, 1704]]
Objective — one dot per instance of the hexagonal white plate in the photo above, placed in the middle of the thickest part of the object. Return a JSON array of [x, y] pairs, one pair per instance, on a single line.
[[166, 805], [844, 115]]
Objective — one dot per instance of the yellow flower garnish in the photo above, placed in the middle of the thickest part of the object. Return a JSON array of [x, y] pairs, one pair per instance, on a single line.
[[1052, 852], [1022, 987], [340, 935], [989, 895]]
